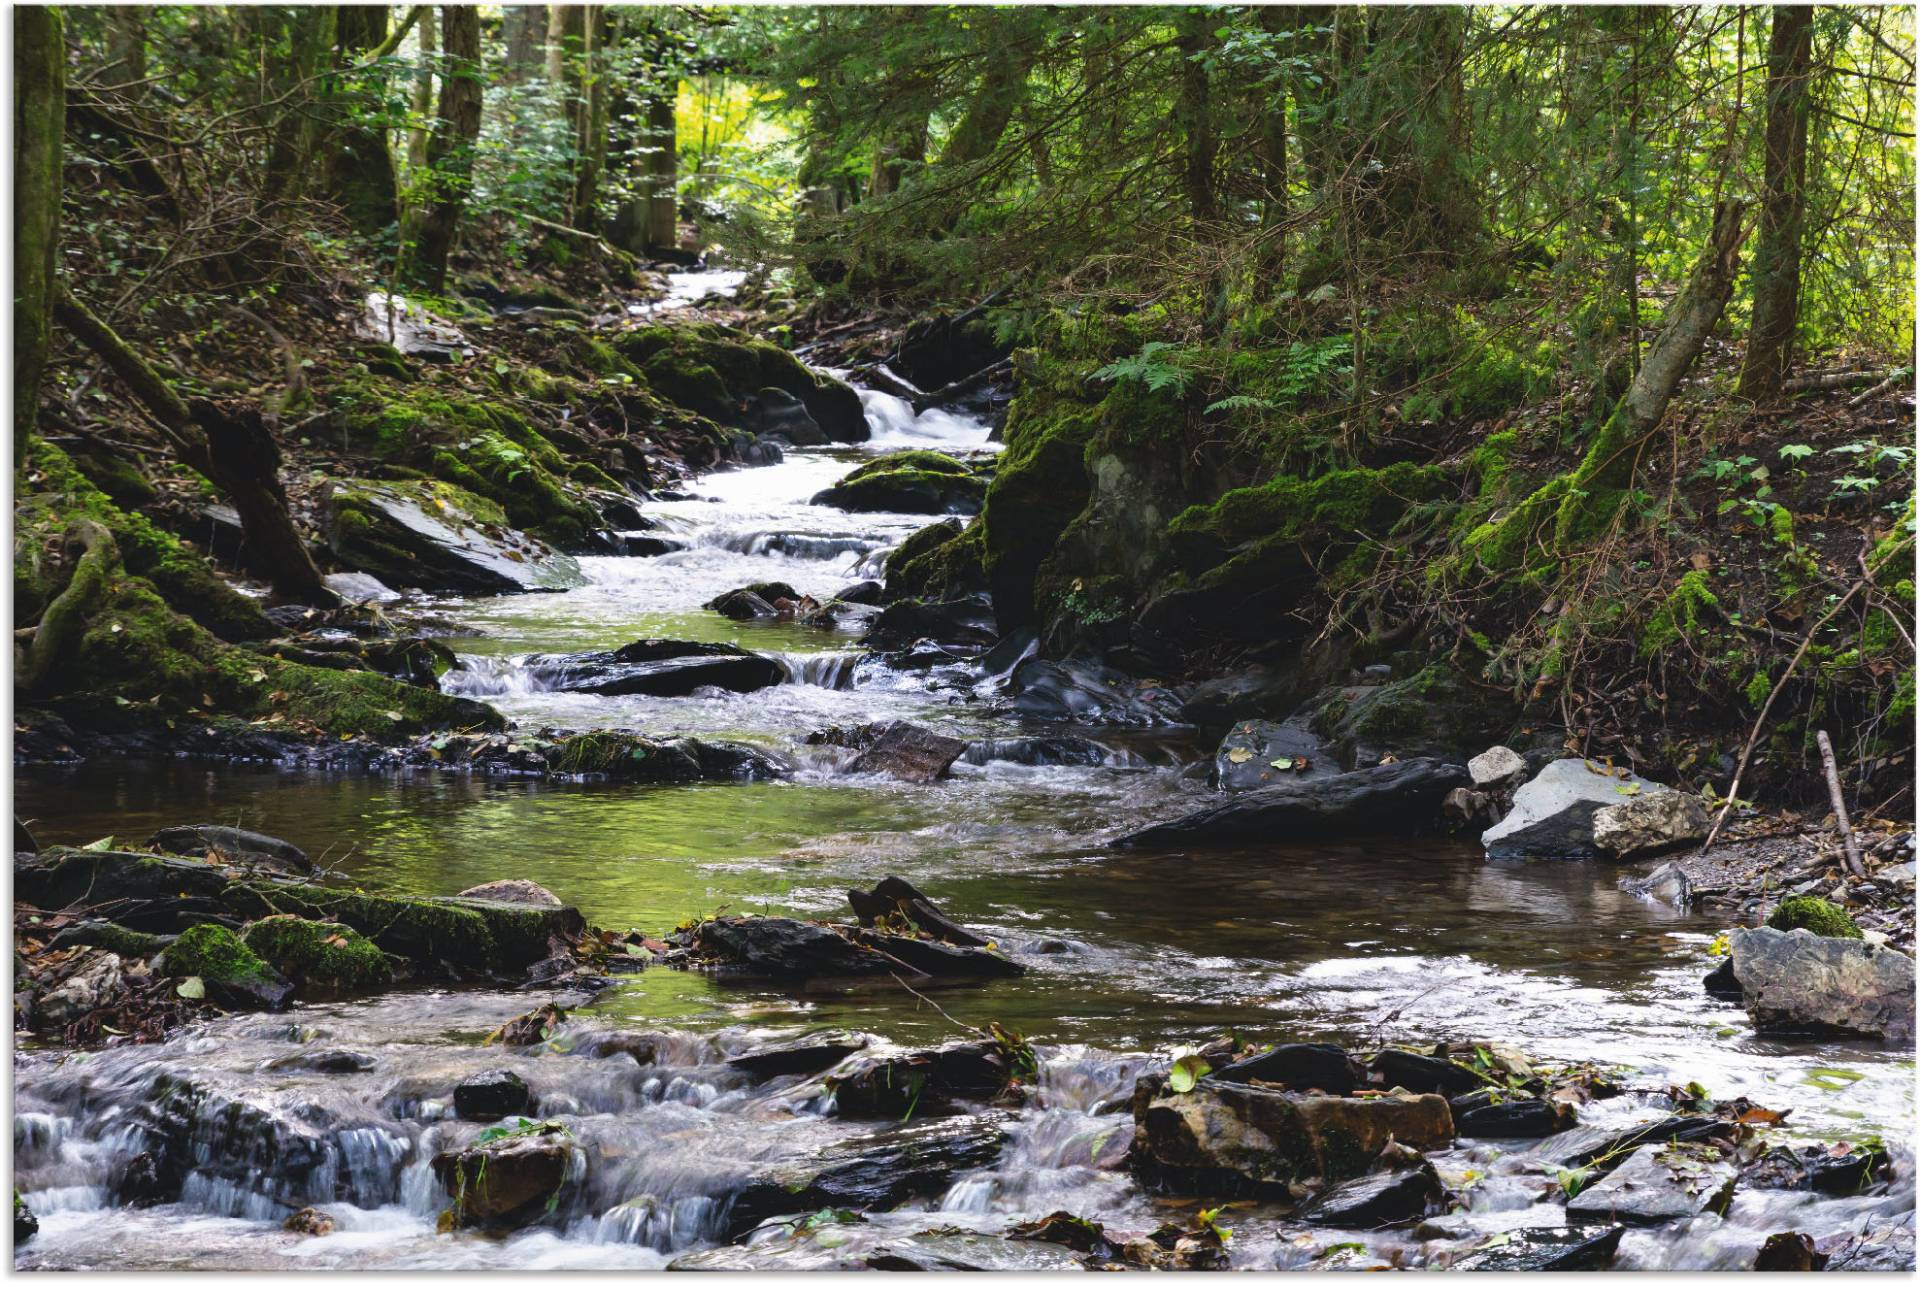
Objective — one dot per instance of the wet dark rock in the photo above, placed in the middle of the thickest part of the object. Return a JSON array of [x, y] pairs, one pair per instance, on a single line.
[[1788, 1251], [232, 845], [1570, 1248], [784, 947], [650, 545], [775, 411], [940, 961], [1247, 756], [1437, 712], [931, 1081], [513, 890], [1061, 749], [491, 1094], [847, 1243], [622, 756], [1882, 1248], [1231, 1138], [309, 1221], [23, 839], [1256, 693], [1080, 1234], [909, 752], [875, 1172], [1795, 982], [1377, 1200], [868, 592], [1658, 1184], [1089, 693], [25, 1224], [329, 1061], [147, 1179], [1674, 1128], [895, 897], [760, 600], [948, 622], [386, 529], [1524, 1117], [807, 1056], [1401, 797], [509, 1181], [1816, 1168], [662, 668], [1721, 983], [1299, 1067], [907, 487], [1553, 812]]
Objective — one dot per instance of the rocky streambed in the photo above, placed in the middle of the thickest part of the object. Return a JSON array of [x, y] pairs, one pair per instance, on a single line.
[[1190, 1049]]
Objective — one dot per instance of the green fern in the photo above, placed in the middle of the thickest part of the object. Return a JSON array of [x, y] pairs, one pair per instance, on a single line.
[[1155, 365]]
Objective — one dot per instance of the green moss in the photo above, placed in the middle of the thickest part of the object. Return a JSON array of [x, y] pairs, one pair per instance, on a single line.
[[628, 758], [50, 492], [216, 954], [1343, 503], [714, 371], [1815, 914], [328, 955], [1679, 615], [905, 490], [939, 562], [920, 459], [1040, 486]]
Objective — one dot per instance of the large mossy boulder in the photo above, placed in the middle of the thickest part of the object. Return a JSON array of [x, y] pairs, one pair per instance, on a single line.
[[1797, 982], [942, 561], [230, 971], [1436, 712], [909, 483], [438, 537], [721, 374]]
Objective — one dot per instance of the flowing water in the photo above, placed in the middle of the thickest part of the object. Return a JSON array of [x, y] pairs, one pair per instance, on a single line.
[[1128, 955]]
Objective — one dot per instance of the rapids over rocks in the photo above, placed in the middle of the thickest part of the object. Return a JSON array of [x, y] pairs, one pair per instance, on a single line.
[[1128, 956]]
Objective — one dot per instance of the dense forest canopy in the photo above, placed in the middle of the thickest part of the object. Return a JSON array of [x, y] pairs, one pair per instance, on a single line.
[[1453, 263]]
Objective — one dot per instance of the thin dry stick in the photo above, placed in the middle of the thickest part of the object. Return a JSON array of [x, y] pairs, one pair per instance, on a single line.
[[970, 1029], [1847, 840], [1753, 735]]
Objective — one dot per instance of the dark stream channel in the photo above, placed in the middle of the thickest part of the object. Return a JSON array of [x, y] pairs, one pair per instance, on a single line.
[[1128, 955]]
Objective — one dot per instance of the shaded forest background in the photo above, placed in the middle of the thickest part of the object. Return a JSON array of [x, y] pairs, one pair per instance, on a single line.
[[1560, 356]]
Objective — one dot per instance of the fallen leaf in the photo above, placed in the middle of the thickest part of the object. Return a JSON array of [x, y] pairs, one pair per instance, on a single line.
[[192, 987], [1240, 755]]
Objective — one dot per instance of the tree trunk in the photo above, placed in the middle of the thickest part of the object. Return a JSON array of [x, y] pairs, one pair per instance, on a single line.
[[663, 178], [901, 148], [1193, 112], [591, 138], [566, 60], [1001, 89], [1272, 115], [232, 447], [449, 161], [292, 89], [360, 175], [1776, 255], [127, 44], [524, 27], [39, 124], [422, 112]]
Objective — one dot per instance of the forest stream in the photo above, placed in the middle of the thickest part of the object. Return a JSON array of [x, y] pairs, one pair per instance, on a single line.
[[1129, 956]]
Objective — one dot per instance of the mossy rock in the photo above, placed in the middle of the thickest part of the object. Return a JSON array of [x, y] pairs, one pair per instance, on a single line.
[[939, 562], [923, 459], [1345, 504], [905, 491], [1436, 712], [718, 372], [328, 956], [217, 956], [1040, 487], [439, 536], [474, 937], [1814, 914], [50, 492]]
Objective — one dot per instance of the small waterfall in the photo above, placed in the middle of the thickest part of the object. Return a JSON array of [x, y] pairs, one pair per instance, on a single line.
[[792, 545], [494, 676], [825, 670], [896, 425], [665, 1225]]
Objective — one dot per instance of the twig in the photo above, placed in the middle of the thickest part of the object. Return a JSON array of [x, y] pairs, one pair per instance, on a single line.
[[1881, 388], [970, 1029], [1847, 839]]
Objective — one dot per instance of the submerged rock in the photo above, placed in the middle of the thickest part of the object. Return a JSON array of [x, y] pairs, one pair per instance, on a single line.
[[1795, 982], [806, 1056], [1062, 749], [1399, 797], [1298, 1066], [1658, 1184], [1553, 812], [1829, 1170], [510, 1180], [873, 1173], [232, 845], [909, 752], [662, 668], [786, 947], [1568, 1248], [760, 600]]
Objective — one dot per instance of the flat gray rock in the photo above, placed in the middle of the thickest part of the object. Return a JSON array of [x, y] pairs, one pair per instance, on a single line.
[[1553, 812], [1400, 797], [1798, 982], [1656, 1184]]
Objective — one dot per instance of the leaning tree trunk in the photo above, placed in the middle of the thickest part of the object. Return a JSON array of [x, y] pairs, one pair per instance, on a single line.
[[449, 162], [1001, 89], [1776, 255], [1597, 486], [39, 121], [232, 447]]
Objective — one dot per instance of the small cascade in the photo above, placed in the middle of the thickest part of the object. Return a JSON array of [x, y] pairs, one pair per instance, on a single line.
[[496, 676], [825, 670]]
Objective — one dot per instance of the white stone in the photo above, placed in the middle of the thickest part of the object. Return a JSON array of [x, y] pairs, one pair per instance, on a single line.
[[1497, 767]]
